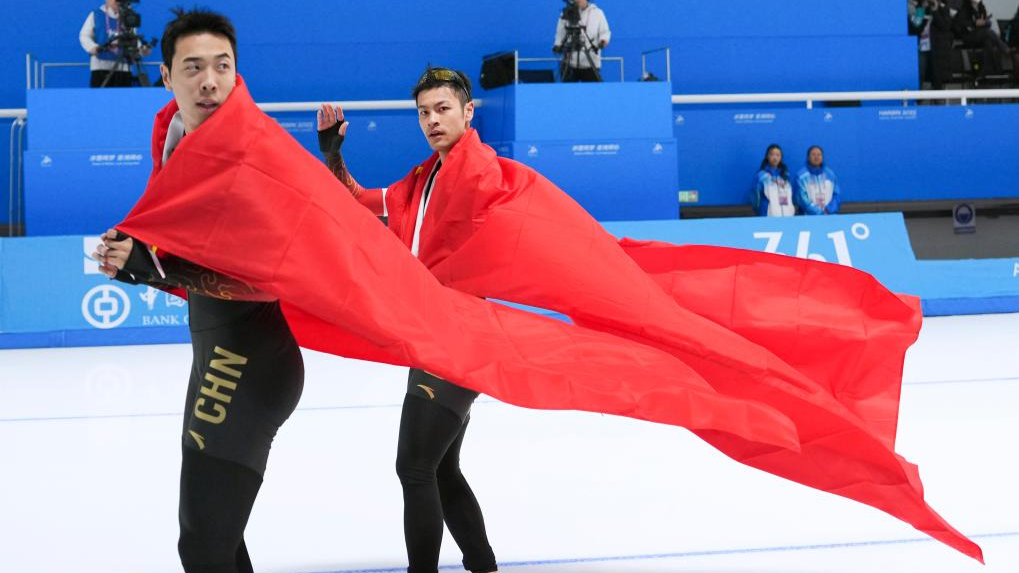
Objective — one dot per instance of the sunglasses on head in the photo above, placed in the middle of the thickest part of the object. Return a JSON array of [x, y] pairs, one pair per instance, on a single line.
[[445, 75]]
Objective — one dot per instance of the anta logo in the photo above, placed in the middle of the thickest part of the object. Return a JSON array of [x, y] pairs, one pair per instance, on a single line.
[[428, 390], [198, 439], [216, 394]]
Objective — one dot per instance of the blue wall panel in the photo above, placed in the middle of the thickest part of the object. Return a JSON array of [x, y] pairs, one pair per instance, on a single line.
[[880, 153], [614, 180]]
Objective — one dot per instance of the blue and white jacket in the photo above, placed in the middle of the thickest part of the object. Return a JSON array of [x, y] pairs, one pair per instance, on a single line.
[[100, 25], [817, 191], [772, 194]]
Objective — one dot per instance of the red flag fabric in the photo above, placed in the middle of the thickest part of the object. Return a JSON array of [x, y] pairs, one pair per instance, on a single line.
[[823, 344], [241, 197]]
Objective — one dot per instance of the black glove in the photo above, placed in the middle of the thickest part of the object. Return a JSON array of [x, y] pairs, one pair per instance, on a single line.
[[139, 265], [126, 277], [330, 140], [557, 49]]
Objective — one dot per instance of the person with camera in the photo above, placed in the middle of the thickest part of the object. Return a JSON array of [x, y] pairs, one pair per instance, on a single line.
[[581, 34], [100, 37]]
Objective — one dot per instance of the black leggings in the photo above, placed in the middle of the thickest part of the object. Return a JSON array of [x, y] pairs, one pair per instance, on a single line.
[[215, 501], [246, 380], [434, 489]]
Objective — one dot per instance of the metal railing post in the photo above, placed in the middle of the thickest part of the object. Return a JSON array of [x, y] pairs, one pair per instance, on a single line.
[[19, 190]]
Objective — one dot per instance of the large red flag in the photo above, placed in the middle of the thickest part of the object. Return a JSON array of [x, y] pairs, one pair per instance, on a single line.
[[241, 197]]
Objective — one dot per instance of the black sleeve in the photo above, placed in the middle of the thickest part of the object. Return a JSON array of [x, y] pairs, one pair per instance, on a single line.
[[179, 273]]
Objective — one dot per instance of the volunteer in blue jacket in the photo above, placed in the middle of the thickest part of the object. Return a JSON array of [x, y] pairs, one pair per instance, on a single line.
[[772, 194], [817, 187]]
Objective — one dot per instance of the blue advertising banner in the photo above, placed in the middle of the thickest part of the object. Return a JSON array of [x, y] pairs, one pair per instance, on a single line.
[[51, 292], [875, 243], [51, 285]]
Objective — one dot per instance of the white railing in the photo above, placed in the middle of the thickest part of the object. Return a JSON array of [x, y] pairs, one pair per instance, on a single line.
[[517, 59], [17, 174], [377, 105], [668, 62], [40, 81], [35, 70], [809, 98]]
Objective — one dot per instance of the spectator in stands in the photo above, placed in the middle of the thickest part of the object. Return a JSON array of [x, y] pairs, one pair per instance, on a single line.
[[817, 188], [582, 51], [917, 22], [772, 194], [100, 27], [973, 27], [931, 21]]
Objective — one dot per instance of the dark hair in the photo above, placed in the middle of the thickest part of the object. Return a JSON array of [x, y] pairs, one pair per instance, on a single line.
[[194, 22], [782, 169], [439, 77], [819, 148]]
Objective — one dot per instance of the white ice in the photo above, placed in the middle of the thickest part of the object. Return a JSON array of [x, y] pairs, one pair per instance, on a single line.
[[89, 454]]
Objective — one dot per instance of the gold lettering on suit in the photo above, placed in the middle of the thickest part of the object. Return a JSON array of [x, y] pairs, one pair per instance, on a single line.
[[213, 410]]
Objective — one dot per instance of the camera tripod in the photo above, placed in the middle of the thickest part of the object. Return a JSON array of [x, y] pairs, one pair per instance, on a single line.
[[577, 41], [129, 57]]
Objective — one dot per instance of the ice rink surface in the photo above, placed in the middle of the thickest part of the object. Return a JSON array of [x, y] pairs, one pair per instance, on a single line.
[[90, 441]]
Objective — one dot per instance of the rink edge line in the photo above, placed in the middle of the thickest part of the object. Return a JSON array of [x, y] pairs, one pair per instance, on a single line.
[[687, 554]]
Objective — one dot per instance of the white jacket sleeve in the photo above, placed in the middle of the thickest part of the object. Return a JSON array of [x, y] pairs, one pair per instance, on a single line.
[[560, 32], [87, 34], [604, 34]]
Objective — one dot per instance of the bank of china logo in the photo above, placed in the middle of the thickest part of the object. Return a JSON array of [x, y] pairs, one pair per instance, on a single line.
[[106, 306], [657, 149], [46, 161], [149, 297], [88, 245], [532, 151]]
